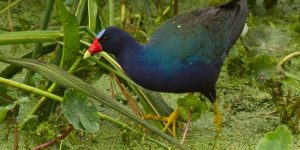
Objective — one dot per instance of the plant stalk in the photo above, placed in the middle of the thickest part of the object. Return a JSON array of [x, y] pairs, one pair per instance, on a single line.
[[9, 6], [288, 57], [21, 37], [30, 89]]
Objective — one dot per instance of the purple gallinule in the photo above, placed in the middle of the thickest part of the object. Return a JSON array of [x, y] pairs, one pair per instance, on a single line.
[[184, 55]]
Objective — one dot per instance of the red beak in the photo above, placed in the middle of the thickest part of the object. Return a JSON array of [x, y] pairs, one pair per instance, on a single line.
[[93, 49]]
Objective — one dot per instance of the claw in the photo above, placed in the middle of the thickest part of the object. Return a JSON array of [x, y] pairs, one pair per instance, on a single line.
[[171, 120]]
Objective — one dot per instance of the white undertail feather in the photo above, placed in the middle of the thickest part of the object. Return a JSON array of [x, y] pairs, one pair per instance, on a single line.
[[245, 30]]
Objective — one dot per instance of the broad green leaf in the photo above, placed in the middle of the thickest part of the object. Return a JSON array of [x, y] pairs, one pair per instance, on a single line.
[[59, 76], [280, 139], [79, 112], [263, 66], [262, 40], [71, 33], [3, 112], [191, 103]]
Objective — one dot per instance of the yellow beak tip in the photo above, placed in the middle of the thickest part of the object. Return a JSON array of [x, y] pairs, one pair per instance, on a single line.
[[86, 55]]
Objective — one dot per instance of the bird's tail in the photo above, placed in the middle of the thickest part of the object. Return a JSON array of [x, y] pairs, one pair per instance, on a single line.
[[238, 9], [233, 3]]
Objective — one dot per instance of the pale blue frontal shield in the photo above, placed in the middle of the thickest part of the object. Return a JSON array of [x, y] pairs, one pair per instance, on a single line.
[[100, 34]]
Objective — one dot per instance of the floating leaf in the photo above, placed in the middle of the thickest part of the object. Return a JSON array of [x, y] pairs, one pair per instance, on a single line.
[[263, 66], [263, 40], [280, 139], [79, 112], [191, 103]]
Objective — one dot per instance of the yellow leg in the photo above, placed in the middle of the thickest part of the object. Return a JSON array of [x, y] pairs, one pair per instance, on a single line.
[[217, 117], [171, 120]]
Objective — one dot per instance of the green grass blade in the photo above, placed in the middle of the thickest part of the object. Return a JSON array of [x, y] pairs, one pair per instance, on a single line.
[[29, 36], [111, 9], [11, 70], [61, 77], [10, 6], [92, 11], [79, 7]]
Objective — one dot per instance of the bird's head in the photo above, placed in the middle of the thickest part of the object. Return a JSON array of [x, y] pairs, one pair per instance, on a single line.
[[111, 39]]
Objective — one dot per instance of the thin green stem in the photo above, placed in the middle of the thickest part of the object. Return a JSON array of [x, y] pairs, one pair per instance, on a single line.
[[30, 89], [280, 65], [9, 6], [29, 36], [288, 57], [75, 64]]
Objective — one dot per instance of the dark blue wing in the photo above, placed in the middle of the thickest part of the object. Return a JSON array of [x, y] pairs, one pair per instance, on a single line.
[[203, 35]]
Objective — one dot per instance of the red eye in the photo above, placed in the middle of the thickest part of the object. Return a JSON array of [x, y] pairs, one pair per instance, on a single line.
[[104, 38]]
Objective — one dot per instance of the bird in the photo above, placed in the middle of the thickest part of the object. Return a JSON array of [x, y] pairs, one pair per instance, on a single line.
[[185, 54]]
